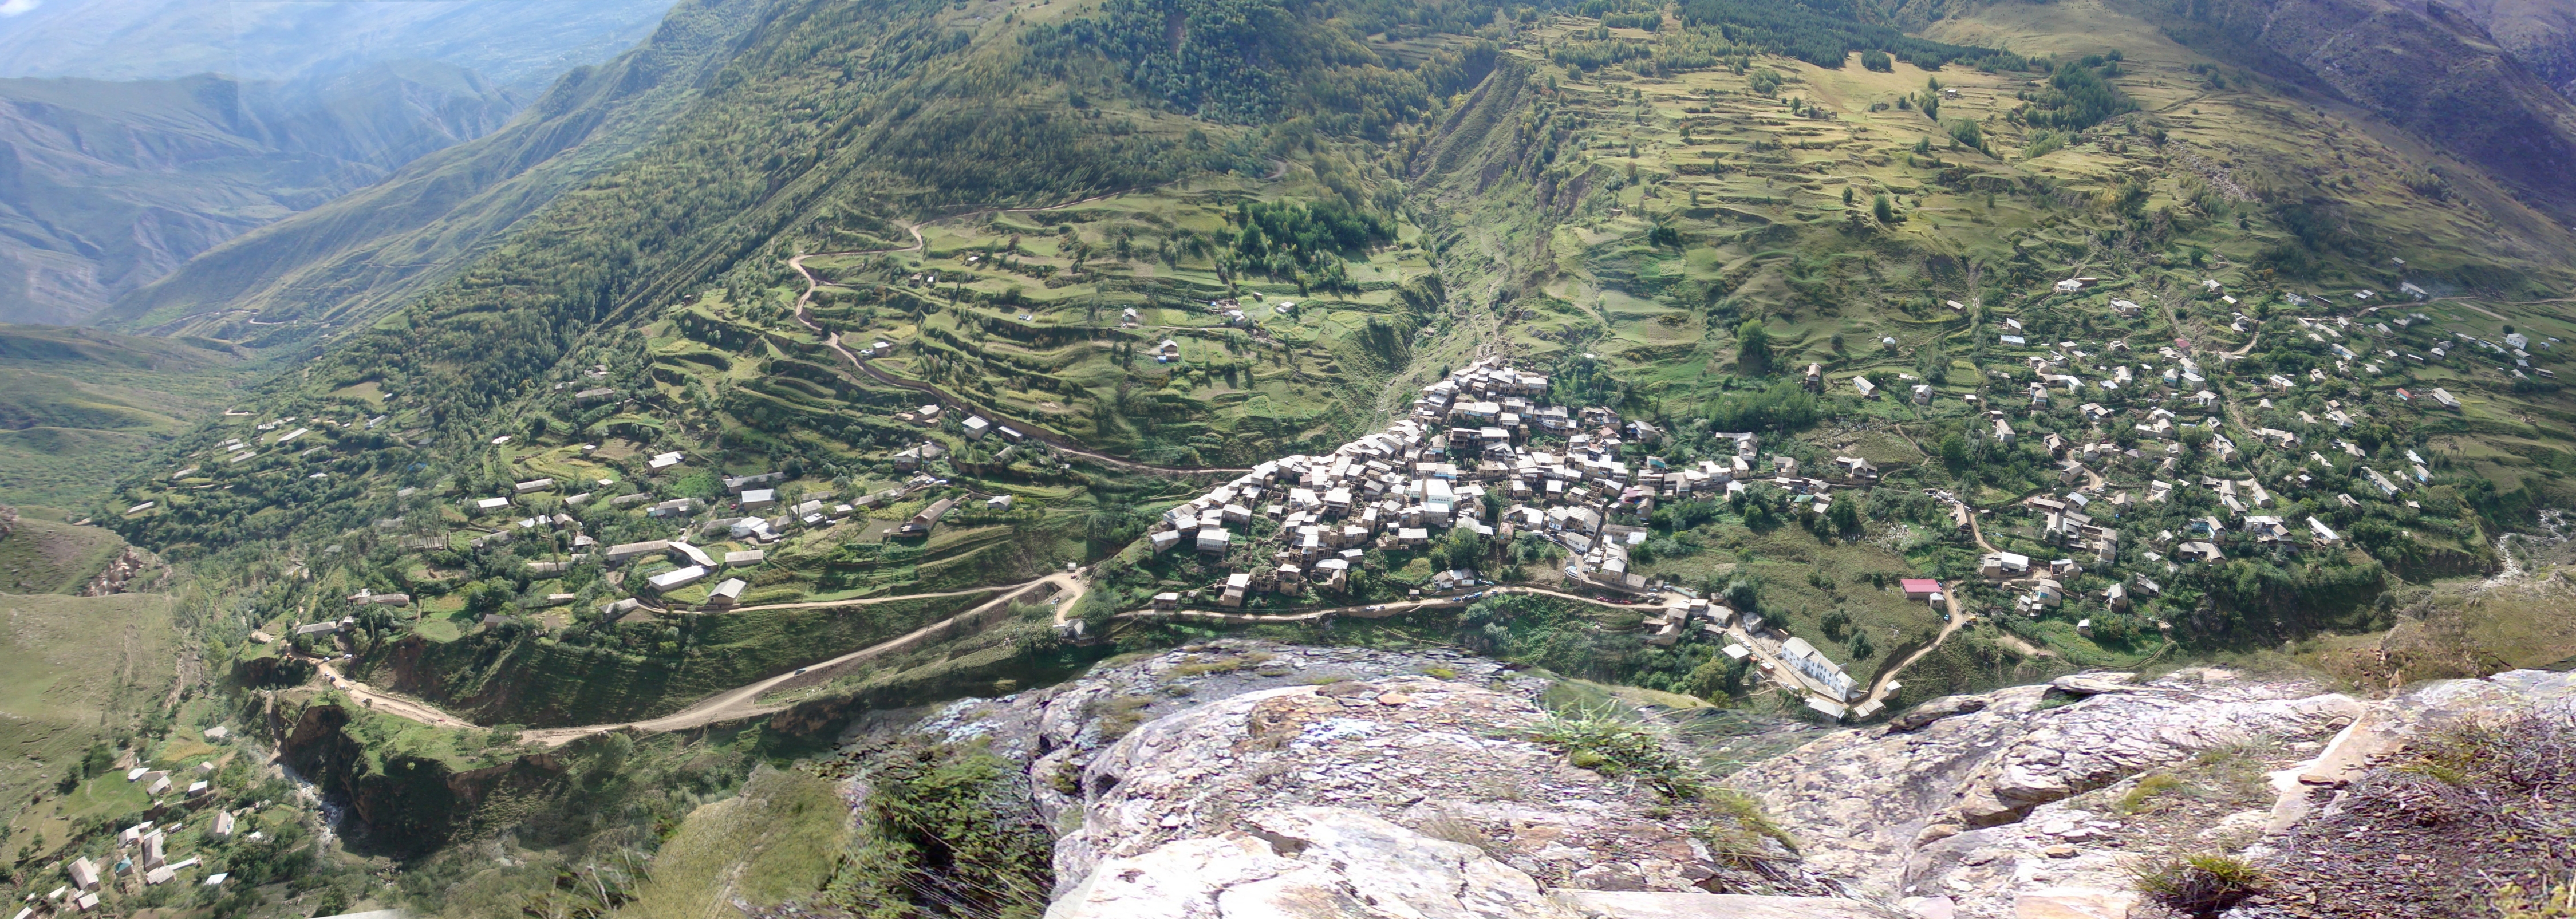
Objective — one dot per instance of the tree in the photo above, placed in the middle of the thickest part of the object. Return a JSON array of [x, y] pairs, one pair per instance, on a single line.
[[1844, 513], [1753, 346], [1954, 451], [488, 595], [1883, 209], [1744, 594], [1966, 132]]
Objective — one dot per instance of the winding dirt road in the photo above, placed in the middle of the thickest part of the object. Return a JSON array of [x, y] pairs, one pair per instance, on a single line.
[[742, 701]]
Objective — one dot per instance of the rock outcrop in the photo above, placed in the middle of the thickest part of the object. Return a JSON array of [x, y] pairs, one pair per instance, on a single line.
[[1267, 780], [1246, 779], [2029, 801]]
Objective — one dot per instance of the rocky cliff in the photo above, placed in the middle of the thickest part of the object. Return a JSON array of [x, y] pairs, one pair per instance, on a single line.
[[1251, 779], [2049, 800], [400, 803]]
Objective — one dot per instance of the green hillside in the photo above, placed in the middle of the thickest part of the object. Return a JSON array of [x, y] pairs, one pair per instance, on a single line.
[[80, 407], [2170, 283], [1026, 223], [87, 673]]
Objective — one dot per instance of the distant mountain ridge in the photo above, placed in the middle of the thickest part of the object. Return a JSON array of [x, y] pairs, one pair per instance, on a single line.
[[107, 186], [385, 243], [2432, 69], [521, 43]]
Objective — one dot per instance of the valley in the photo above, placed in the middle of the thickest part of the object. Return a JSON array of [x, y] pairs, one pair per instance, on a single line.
[[1083, 449]]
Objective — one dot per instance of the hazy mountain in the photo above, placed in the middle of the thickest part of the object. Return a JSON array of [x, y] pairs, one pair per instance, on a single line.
[[105, 186], [2539, 33], [379, 245], [525, 43], [2432, 70]]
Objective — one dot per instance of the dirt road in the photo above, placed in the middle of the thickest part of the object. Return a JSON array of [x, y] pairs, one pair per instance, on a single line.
[[377, 701], [744, 701], [739, 702]]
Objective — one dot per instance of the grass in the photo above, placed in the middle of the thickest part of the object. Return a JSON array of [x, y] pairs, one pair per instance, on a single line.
[[47, 557], [2204, 884], [82, 405], [2142, 796], [554, 682], [82, 669], [1118, 714], [772, 843]]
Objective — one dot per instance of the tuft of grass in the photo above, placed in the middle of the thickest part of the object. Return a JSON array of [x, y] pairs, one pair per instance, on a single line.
[[2202, 884], [1220, 665], [1452, 827], [1118, 714], [1597, 739], [2143, 795]]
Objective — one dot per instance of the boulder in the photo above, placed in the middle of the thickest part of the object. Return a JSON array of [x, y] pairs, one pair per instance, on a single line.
[[1917, 717], [2093, 684]]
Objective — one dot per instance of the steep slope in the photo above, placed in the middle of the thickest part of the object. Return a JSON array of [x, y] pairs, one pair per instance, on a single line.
[[2540, 34], [921, 297], [519, 44], [108, 186], [2432, 70], [357, 255], [85, 671]]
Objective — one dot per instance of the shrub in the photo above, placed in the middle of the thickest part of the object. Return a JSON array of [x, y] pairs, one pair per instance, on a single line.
[[2204, 884]]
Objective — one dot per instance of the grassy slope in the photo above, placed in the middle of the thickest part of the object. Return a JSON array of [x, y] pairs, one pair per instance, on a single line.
[[79, 406], [774, 842], [80, 668], [48, 557]]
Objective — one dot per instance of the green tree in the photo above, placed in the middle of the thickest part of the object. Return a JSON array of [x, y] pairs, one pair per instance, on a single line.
[[1883, 209], [1844, 514], [1753, 346], [1968, 134]]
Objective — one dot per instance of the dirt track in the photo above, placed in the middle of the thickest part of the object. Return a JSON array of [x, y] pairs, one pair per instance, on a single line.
[[741, 701]]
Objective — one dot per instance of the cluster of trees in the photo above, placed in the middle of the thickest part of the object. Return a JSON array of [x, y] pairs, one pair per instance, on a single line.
[[1250, 61], [1783, 406], [1305, 231], [2079, 95], [1826, 32]]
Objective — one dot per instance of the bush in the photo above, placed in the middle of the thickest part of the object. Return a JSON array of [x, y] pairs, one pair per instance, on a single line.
[[1598, 741], [2202, 885]]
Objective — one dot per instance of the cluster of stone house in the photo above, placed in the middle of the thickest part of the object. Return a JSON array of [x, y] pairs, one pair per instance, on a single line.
[[1463, 459]]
